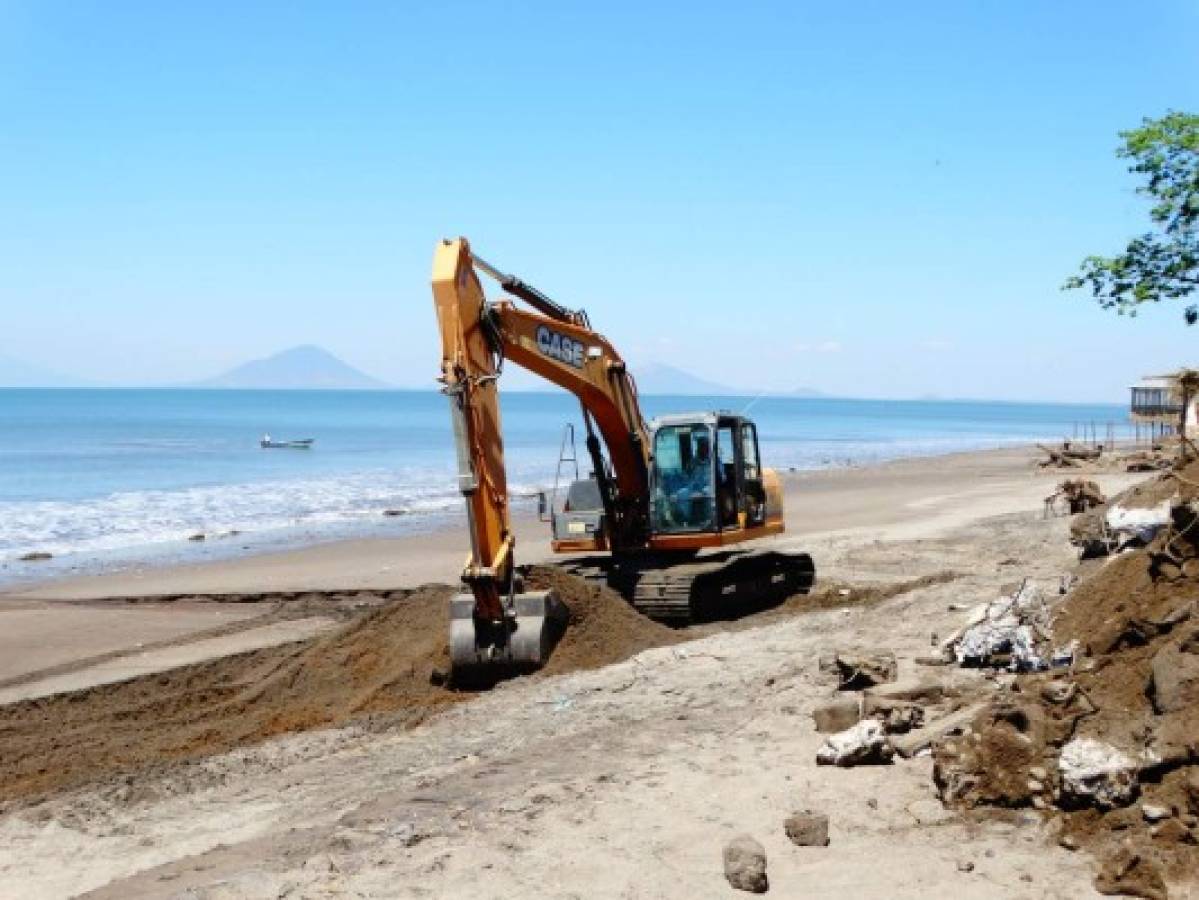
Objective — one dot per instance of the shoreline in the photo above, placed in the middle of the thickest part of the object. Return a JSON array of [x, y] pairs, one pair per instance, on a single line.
[[835, 500]]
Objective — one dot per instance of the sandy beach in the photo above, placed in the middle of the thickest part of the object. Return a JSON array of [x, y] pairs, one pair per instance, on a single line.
[[622, 780]]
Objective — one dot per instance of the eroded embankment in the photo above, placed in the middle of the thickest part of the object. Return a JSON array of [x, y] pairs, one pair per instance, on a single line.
[[1129, 701]]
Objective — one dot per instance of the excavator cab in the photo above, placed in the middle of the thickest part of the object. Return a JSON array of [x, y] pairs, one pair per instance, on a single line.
[[707, 488], [705, 475]]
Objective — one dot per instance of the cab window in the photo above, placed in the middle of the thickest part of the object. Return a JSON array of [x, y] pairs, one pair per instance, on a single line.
[[683, 492], [749, 452]]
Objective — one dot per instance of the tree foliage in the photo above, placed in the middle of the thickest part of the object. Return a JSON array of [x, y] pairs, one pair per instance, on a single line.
[[1163, 263]]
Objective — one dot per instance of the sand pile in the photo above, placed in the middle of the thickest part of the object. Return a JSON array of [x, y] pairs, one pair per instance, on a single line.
[[385, 669], [603, 629], [379, 664], [1133, 693]]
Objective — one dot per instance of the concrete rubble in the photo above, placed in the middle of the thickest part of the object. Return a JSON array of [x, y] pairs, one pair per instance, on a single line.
[[897, 715], [1096, 774], [1136, 527], [1077, 495], [864, 744], [1011, 632]]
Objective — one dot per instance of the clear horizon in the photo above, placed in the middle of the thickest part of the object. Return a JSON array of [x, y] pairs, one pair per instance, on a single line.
[[877, 203]]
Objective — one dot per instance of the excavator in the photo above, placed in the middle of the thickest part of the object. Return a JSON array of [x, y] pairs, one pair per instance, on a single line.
[[659, 492]]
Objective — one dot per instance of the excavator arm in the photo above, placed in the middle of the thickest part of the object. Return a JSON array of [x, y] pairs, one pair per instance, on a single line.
[[558, 344]]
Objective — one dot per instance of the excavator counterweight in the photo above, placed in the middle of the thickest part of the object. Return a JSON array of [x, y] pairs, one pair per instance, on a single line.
[[659, 493]]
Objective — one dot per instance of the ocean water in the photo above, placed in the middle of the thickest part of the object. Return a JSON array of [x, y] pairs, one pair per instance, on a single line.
[[105, 478]]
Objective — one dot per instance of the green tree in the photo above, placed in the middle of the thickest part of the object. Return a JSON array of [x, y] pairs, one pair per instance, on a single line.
[[1162, 264]]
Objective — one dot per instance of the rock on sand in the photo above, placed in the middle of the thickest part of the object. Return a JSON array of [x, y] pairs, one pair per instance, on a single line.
[[745, 865]]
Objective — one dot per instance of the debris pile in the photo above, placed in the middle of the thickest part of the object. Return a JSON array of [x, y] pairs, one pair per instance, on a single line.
[[1127, 521], [1077, 495], [1011, 632], [1108, 744], [1097, 457], [1148, 460], [1069, 456]]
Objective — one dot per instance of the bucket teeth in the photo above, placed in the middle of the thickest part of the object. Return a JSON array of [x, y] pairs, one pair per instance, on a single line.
[[522, 642]]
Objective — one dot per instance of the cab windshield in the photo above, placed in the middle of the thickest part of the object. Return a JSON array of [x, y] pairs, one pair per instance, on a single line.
[[683, 495]]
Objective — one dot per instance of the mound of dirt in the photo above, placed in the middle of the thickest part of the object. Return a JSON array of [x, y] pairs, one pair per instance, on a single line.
[[1134, 687], [379, 665], [603, 628], [386, 668]]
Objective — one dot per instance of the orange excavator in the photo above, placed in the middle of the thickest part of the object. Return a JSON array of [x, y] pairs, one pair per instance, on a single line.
[[658, 494]]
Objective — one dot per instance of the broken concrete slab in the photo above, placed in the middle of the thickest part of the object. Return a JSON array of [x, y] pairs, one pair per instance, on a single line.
[[1139, 524], [1154, 812], [1009, 632], [864, 744], [1096, 774]]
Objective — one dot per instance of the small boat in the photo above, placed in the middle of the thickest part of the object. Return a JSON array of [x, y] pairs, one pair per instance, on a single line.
[[267, 443]]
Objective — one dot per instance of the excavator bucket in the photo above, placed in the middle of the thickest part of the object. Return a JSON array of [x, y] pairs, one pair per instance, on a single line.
[[522, 642]]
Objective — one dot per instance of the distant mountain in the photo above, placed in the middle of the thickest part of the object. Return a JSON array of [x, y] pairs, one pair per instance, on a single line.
[[18, 373], [300, 368], [659, 378]]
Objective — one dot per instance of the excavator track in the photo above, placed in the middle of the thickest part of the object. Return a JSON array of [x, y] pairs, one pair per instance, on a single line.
[[694, 589]]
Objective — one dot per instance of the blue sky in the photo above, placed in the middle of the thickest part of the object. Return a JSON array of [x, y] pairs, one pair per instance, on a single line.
[[872, 199]]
